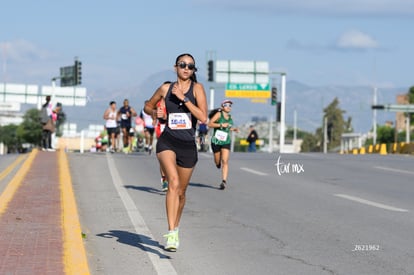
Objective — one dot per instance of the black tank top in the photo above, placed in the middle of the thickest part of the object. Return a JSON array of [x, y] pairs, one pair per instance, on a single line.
[[181, 124]]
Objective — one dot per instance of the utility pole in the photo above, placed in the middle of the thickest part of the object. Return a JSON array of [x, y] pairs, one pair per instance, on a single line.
[[282, 112], [374, 117], [407, 128], [295, 125], [325, 135]]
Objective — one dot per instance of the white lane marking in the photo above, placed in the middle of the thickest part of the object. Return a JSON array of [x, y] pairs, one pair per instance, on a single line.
[[253, 171], [162, 266], [371, 203], [394, 170]]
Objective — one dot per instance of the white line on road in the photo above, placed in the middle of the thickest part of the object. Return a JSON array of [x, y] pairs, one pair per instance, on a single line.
[[371, 203], [162, 266], [253, 171], [394, 170]]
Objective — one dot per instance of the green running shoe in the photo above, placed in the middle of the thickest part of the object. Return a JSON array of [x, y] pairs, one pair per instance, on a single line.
[[164, 185], [171, 241]]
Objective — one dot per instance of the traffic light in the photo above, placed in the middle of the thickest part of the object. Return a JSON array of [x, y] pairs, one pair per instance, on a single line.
[[210, 76], [329, 131], [274, 96], [278, 111], [78, 72]]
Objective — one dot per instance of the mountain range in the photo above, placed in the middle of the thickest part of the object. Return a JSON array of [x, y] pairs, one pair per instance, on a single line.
[[308, 101]]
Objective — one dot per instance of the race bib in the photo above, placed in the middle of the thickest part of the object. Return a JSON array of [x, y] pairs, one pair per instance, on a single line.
[[179, 121], [221, 135], [124, 116]]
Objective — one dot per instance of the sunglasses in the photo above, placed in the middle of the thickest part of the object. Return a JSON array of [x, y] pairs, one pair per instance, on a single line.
[[190, 66], [227, 105]]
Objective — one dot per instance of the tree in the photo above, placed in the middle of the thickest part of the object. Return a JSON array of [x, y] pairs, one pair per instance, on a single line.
[[310, 143], [336, 127], [8, 136], [30, 131], [336, 124], [385, 134]]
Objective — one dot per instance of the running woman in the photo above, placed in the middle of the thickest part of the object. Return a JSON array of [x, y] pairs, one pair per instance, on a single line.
[[110, 116], [185, 102], [222, 123]]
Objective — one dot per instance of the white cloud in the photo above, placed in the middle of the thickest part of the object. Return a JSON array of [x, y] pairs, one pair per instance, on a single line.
[[356, 40], [318, 7], [22, 51]]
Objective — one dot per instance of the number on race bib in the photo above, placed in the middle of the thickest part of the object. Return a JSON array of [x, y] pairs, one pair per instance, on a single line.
[[221, 135], [179, 121]]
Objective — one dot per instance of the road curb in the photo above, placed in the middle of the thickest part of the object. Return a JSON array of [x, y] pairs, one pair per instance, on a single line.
[[74, 254]]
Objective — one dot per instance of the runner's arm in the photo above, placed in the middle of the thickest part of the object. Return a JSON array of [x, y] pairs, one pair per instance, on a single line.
[[212, 123]]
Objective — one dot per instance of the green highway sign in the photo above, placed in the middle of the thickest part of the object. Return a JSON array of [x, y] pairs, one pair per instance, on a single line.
[[250, 90], [248, 86]]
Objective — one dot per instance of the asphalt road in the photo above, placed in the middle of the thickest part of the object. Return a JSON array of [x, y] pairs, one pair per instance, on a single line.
[[281, 214]]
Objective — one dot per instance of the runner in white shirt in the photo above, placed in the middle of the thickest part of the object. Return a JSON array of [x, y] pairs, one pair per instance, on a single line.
[[149, 128], [110, 116]]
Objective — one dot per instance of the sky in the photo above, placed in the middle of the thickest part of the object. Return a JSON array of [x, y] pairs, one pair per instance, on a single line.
[[121, 43]]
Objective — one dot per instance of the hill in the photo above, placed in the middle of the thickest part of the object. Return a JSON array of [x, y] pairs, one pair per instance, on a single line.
[[307, 100]]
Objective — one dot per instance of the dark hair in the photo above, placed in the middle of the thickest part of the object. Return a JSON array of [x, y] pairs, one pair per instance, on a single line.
[[213, 112], [112, 102], [193, 77], [48, 97]]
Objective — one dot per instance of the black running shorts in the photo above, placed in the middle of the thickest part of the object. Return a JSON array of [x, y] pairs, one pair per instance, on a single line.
[[150, 130], [217, 148], [185, 151]]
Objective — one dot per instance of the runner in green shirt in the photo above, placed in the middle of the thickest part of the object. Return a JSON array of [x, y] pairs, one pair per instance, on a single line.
[[222, 123]]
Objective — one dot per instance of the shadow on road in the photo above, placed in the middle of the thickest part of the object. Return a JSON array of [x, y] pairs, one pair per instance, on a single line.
[[146, 189], [193, 184], [160, 192], [136, 240]]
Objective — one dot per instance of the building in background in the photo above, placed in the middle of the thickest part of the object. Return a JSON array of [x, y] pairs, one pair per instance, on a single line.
[[400, 116]]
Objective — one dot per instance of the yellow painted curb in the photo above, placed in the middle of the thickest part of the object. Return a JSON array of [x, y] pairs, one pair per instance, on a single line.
[[15, 183], [74, 255], [362, 151]]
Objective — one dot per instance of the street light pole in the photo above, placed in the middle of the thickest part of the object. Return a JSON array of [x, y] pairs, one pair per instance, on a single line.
[[374, 118], [282, 112]]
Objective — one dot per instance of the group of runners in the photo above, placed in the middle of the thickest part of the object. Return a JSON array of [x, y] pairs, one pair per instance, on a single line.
[[136, 131], [173, 112]]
